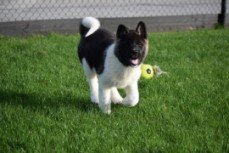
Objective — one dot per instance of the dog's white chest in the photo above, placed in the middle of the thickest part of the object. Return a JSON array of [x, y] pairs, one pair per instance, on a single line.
[[125, 77], [121, 79], [116, 74]]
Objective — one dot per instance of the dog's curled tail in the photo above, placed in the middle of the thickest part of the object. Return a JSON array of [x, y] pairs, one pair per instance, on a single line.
[[88, 26]]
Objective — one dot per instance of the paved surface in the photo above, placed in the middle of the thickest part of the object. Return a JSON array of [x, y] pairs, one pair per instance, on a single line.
[[21, 10]]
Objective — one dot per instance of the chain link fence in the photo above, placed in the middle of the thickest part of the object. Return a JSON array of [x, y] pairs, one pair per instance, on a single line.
[[43, 10], [24, 10]]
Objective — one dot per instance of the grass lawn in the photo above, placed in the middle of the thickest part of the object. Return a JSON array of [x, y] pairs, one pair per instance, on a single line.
[[45, 104]]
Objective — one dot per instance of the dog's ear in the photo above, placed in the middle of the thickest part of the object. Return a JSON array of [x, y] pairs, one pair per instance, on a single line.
[[122, 31], [141, 29]]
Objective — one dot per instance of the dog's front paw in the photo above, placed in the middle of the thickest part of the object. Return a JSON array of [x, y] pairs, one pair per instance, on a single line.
[[117, 99], [105, 108], [130, 101]]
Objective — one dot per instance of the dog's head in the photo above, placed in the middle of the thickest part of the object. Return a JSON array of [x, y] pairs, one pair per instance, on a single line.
[[132, 45]]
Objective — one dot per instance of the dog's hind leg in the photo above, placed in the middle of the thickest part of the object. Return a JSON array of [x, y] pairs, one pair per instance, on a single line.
[[115, 96], [92, 81]]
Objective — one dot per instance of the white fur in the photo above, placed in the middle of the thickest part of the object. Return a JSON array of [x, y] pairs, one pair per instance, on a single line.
[[92, 23], [92, 81], [114, 76]]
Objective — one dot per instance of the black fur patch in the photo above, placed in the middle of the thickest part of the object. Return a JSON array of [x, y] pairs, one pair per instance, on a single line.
[[130, 47], [93, 48], [131, 44]]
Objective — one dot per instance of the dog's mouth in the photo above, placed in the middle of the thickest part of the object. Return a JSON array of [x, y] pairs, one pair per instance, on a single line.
[[134, 61]]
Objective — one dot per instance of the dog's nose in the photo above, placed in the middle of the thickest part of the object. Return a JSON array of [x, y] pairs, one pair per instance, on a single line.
[[134, 54]]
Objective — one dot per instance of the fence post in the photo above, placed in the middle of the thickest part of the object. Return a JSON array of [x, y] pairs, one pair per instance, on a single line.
[[222, 15]]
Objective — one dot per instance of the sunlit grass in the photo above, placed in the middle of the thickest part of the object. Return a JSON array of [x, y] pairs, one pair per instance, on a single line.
[[45, 104]]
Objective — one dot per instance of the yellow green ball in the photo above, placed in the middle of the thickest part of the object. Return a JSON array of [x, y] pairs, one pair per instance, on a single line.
[[147, 71]]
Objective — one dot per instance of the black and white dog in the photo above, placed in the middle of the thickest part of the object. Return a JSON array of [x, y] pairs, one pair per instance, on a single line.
[[110, 63]]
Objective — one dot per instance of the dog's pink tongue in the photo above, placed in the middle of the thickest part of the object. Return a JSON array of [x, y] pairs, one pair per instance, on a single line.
[[134, 61]]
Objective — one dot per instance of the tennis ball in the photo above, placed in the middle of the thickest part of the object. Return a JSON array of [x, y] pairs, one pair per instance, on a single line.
[[147, 71]]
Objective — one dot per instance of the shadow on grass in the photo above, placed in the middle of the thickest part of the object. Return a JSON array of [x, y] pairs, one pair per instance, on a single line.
[[38, 102]]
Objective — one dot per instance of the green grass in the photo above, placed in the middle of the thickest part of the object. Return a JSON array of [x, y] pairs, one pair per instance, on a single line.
[[45, 104]]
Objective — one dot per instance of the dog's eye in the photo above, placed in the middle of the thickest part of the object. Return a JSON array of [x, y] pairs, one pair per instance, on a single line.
[[139, 43]]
